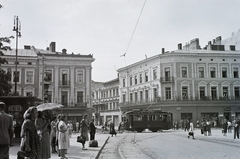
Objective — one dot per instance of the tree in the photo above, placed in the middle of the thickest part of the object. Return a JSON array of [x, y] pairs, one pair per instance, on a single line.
[[5, 77]]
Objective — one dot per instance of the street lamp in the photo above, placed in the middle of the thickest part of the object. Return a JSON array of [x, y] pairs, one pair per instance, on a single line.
[[17, 29]]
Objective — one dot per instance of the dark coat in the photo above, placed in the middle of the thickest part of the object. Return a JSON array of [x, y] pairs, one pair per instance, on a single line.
[[92, 128]]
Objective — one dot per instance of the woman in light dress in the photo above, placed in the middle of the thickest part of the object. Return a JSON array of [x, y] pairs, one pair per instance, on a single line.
[[63, 137]]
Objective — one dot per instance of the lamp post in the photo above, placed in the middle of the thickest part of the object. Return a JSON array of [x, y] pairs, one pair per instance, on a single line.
[[17, 29]]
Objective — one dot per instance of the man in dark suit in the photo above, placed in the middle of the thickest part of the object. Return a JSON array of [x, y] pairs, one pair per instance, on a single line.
[[6, 132], [92, 130]]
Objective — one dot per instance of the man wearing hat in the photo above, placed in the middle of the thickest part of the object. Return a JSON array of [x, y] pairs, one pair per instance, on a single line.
[[6, 132]]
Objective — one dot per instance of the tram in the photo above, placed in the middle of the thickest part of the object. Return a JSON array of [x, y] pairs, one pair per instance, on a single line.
[[153, 120]]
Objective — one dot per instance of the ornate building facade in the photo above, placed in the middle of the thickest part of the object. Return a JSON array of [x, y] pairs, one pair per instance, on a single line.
[[106, 103], [53, 76], [191, 83]]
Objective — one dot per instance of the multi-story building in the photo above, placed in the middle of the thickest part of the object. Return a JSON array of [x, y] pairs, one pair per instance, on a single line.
[[106, 103], [57, 77], [190, 82]]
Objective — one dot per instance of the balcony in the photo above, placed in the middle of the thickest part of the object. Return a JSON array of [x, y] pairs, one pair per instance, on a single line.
[[169, 79], [64, 83]]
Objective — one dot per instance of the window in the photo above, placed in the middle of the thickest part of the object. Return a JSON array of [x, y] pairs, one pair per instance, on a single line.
[[225, 92], [146, 76], [212, 72], [237, 92], [135, 79], [124, 98], [141, 96], [114, 93], [48, 74], [168, 92], [140, 78], [167, 74], [146, 95], [80, 97], [214, 92], [64, 98], [224, 72], [16, 76], [136, 96], [131, 97], [29, 78], [184, 72], [154, 74], [235, 72], [124, 84], [155, 93], [184, 92], [202, 92], [201, 72], [29, 94], [130, 81], [64, 78], [29, 63], [79, 76]]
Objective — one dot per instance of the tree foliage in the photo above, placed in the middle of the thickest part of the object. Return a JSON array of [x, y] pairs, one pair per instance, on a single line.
[[5, 77]]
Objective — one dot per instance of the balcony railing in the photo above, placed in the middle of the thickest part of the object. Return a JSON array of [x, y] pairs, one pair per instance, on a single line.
[[176, 99], [169, 79]]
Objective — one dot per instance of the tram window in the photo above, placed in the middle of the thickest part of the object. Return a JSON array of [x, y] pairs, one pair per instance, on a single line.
[[151, 118], [159, 117], [145, 118], [137, 118]]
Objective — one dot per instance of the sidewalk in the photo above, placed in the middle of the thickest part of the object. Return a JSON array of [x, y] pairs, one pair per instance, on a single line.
[[75, 151]]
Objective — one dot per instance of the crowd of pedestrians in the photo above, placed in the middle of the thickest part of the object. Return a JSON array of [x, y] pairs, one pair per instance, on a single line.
[[205, 125], [42, 133]]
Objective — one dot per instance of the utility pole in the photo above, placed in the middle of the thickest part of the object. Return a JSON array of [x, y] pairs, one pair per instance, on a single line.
[[17, 29]]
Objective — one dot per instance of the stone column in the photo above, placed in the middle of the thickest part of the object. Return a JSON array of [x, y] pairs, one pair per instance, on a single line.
[[72, 81], [56, 84]]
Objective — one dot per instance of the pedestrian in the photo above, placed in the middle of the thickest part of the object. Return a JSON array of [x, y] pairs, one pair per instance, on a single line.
[[191, 128], [229, 125], [53, 134], [92, 130], [120, 127], [112, 129], [6, 132], [29, 146], [57, 132], [77, 127], [63, 137], [70, 128], [225, 126], [84, 130], [236, 128], [42, 124]]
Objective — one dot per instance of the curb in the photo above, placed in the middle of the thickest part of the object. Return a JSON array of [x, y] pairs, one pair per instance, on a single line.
[[99, 152]]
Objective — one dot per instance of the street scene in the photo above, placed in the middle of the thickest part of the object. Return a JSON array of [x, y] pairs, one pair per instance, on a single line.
[[110, 79]]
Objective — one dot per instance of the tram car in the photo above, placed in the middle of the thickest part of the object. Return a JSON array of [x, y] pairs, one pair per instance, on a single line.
[[153, 120]]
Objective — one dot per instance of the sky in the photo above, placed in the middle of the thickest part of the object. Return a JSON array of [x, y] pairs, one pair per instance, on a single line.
[[109, 28]]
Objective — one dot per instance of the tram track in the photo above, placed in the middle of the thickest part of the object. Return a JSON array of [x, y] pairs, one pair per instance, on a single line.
[[131, 150]]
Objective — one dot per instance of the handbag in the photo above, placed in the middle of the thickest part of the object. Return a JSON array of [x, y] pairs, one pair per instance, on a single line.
[[81, 139]]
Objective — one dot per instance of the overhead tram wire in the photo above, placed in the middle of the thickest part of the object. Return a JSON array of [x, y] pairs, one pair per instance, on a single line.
[[124, 55], [135, 27]]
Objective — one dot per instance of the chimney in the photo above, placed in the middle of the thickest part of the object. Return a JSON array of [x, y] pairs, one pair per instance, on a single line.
[[218, 40], [163, 50], [27, 47], [213, 41], [52, 47], [180, 46], [64, 51]]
